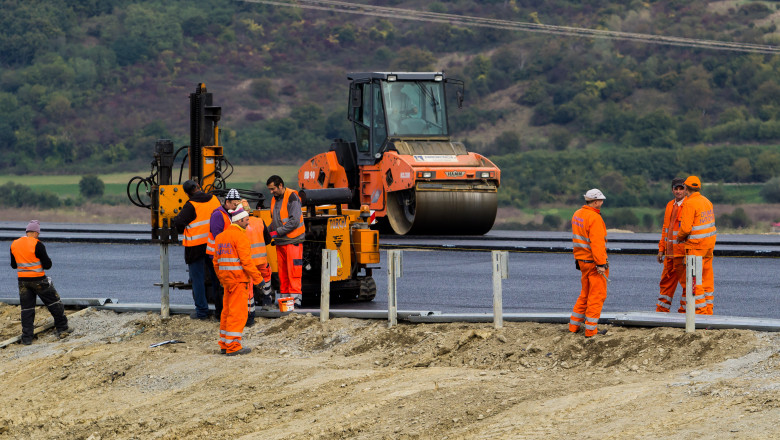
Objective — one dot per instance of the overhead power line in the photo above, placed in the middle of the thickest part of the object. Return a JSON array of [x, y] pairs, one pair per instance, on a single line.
[[464, 20]]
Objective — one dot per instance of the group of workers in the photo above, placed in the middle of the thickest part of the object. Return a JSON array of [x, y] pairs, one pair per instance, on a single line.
[[688, 229], [229, 243]]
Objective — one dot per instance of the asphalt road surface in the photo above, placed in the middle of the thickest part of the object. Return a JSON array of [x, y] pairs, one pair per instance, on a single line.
[[446, 281]]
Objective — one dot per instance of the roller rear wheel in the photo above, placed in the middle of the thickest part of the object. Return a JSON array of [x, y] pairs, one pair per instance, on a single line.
[[442, 212]]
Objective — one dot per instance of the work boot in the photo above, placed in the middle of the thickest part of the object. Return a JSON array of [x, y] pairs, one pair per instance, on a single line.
[[63, 333], [222, 351], [244, 350], [194, 315], [250, 321], [26, 341]]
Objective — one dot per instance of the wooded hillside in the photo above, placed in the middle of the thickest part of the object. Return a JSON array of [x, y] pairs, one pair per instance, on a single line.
[[90, 85]]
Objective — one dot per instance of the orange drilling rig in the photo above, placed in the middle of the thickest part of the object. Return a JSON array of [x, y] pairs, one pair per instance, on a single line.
[[328, 226]]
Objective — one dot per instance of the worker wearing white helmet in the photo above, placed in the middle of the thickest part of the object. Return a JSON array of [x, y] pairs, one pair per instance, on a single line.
[[219, 222], [589, 242]]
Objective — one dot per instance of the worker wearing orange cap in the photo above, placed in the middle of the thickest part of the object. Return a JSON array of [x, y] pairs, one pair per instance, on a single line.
[[671, 253], [589, 241], [697, 231], [235, 269]]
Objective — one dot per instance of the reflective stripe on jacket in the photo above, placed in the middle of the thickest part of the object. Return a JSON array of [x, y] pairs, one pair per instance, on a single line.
[[197, 231], [225, 223], [284, 215], [697, 223], [27, 264], [589, 235], [668, 244], [256, 241], [232, 258]]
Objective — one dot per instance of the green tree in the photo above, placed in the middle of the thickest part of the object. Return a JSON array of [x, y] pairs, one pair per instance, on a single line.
[[771, 190], [90, 186]]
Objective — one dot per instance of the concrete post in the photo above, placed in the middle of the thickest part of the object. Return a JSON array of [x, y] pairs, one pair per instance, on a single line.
[[165, 306], [394, 271], [693, 268], [329, 268], [500, 271]]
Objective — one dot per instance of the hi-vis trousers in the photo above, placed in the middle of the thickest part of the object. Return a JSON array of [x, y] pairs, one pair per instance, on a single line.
[[234, 314], [587, 309], [289, 260], [673, 274]]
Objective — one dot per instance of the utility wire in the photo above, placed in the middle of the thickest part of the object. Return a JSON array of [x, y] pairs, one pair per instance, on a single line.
[[464, 20]]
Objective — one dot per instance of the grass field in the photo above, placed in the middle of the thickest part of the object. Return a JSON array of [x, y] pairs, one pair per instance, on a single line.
[[244, 177]]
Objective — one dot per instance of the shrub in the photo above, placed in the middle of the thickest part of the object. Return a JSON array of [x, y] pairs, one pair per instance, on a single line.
[[91, 186], [771, 190]]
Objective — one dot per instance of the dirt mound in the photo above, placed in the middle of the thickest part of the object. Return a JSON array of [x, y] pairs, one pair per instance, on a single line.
[[350, 378]]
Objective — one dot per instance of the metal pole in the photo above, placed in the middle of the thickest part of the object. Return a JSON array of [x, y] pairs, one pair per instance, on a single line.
[[393, 272], [329, 266], [499, 273], [165, 307]]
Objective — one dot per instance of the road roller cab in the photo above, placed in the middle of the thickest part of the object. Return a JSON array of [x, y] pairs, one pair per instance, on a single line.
[[402, 163]]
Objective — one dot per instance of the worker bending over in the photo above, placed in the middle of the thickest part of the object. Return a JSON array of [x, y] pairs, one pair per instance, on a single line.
[[235, 269], [671, 253], [697, 231], [29, 258], [260, 294], [287, 231], [589, 241]]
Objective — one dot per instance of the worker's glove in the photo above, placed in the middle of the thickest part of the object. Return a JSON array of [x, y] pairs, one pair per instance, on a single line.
[[660, 257], [273, 234]]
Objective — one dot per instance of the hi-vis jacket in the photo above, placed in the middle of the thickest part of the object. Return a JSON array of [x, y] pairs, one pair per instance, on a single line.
[[286, 219], [697, 223], [668, 243], [256, 241], [29, 258], [197, 231], [589, 236], [232, 257]]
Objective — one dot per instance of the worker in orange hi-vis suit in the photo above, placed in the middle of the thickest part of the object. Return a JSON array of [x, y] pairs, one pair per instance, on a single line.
[[259, 294], [697, 231], [589, 241], [671, 253], [235, 269]]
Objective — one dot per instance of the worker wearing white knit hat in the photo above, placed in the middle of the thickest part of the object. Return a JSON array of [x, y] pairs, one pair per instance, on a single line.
[[235, 269]]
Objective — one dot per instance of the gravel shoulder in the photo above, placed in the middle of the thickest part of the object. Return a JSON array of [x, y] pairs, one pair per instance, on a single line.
[[357, 379]]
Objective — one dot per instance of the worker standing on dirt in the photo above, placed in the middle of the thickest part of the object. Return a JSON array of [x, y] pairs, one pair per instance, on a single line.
[[589, 241], [193, 222], [29, 258], [235, 269], [697, 231], [671, 253], [287, 231], [257, 232], [218, 222]]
